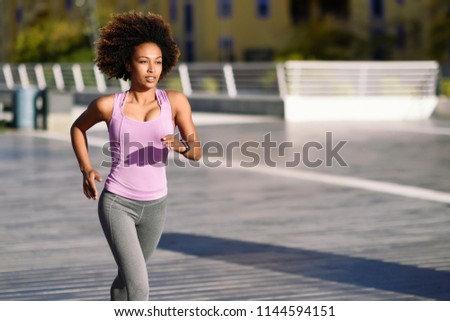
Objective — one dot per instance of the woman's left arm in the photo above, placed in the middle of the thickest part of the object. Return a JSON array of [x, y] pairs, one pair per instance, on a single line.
[[182, 115]]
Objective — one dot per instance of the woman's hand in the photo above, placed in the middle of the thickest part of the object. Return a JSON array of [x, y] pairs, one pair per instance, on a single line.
[[172, 142], [89, 188]]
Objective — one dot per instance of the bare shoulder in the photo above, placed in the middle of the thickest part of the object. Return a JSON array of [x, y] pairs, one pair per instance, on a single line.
[[99, 109], [176, 97], [102, 106], [103, 103], [179, 102]]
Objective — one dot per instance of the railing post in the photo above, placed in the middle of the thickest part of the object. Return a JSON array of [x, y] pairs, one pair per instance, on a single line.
[[59, 79], [229, 80], [78, 77], [435, 79], [40, 77], [99, 79], [7, 72], [185, 80], [24, 81], [281, 78], [124, 85]]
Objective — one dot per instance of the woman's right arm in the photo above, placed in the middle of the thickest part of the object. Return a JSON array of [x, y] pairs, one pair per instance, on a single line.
[[97, 111]]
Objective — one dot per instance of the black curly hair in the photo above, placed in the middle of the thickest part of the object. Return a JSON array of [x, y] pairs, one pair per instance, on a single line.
[[119, 37]]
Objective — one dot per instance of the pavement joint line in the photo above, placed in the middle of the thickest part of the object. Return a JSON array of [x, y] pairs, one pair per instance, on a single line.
[[337, 180], [358, 183], [422, 130]]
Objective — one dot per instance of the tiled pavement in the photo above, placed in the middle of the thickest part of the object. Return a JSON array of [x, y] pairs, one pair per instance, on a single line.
[[377, 228]]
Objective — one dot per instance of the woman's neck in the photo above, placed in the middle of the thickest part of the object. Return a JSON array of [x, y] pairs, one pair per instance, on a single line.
[[143, 97]]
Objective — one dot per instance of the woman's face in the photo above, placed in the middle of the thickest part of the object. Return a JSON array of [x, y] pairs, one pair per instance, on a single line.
[[146, 65]]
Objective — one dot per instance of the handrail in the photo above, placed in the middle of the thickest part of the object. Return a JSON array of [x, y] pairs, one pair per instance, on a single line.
[[416, 78], [305, 78]]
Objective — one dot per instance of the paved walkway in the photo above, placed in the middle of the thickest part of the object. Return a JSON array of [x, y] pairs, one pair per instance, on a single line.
[[373, 225]]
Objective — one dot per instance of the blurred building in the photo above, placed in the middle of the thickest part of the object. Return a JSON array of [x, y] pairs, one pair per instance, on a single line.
[[244, 30]]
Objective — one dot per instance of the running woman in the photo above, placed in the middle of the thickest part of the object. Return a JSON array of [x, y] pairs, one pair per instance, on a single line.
[[141, 122]]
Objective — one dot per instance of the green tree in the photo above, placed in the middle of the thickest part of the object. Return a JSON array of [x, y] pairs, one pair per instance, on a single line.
[[439, 31], [439, 42], [52, 40], [324, 39]]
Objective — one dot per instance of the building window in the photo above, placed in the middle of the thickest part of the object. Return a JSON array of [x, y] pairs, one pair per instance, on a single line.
[[263, 8], [377, 8], [188, 18], [400, 2], [142, 1], [226, 49], [19, 15], [224, 8], [189, 50], [339, 9], [68, 4], [300, 10], [173, 12], [380, 51], [400, 37]]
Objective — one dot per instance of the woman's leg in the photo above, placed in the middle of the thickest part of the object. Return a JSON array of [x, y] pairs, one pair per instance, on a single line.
[[118, 218], [118, 289], [150, 226]]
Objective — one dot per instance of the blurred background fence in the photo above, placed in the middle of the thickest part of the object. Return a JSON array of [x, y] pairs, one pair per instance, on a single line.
[[192, 79], [295, 90], [310, 78]]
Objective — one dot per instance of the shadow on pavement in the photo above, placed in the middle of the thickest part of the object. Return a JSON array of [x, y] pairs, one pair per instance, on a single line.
[[361, 272]]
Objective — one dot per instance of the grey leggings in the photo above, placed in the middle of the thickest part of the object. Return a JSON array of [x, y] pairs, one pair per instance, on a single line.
[[133, 229]]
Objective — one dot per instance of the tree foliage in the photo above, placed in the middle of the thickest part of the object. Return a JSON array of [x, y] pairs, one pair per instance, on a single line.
[[439, 41], [324, 39], [52, 40]]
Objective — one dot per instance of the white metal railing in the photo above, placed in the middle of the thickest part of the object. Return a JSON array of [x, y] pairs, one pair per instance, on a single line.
[[361, 78], [193, 79], [301, 78], [344, 91]]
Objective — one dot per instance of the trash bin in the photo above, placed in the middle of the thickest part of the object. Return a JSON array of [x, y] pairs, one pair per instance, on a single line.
[[24, 107]]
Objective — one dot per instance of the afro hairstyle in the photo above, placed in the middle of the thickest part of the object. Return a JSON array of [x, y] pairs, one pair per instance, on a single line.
[[119, 37]]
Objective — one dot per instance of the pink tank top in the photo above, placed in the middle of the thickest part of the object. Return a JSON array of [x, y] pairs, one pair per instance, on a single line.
[[138, 169]]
